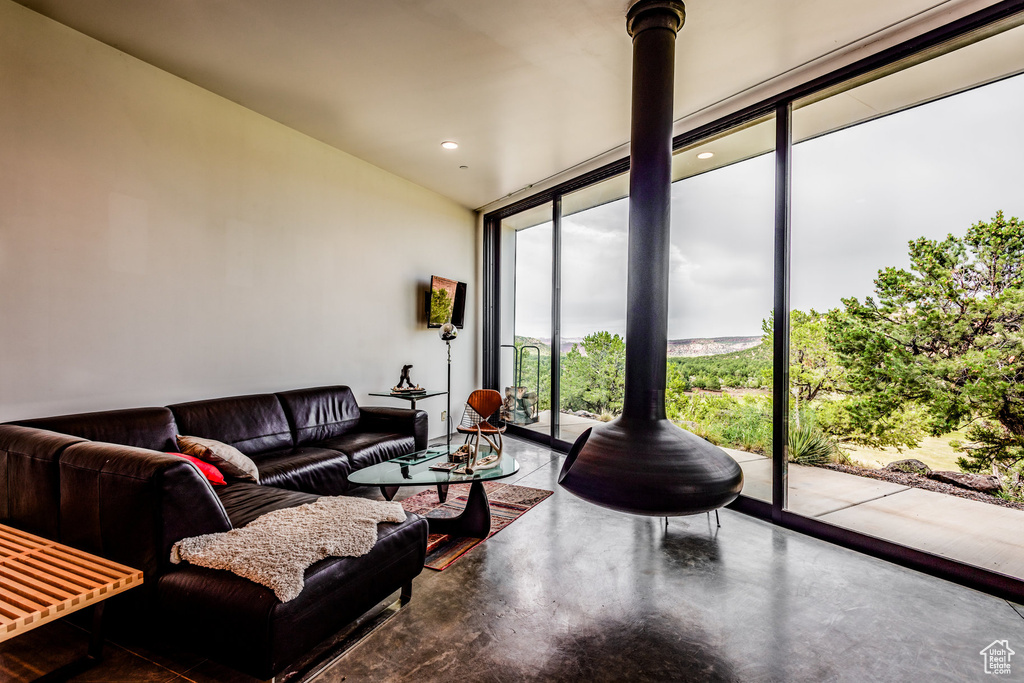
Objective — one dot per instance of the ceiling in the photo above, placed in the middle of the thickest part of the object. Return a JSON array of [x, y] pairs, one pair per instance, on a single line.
[[527, 88]]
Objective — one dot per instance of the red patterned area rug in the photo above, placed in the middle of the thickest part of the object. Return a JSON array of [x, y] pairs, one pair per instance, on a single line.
[[507, 502]]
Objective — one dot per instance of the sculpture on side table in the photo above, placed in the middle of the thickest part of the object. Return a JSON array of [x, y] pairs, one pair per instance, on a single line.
[[405, 385]]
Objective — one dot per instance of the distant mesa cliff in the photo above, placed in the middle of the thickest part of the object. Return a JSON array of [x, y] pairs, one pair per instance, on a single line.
[[710, 346], [677, 348]]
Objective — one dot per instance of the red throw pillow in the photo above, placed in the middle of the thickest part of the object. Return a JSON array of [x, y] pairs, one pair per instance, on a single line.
[[208, 470]]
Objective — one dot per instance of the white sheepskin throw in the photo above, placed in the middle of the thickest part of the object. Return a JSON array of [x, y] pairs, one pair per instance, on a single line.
[[275, 549]]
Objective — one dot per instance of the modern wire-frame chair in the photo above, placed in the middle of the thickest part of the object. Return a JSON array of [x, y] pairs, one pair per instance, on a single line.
[[480, 406]]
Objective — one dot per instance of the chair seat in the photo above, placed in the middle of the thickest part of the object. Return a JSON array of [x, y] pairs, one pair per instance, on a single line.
[[485, 428]]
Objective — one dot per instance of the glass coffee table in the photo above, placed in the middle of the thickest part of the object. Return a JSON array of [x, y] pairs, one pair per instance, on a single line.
[[414, 470]]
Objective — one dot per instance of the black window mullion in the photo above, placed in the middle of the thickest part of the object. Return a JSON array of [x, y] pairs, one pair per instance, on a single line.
[[491, 323], [556, 315], [780, 348]]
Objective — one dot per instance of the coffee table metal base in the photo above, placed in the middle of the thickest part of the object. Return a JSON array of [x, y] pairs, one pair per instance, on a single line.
[[475, 520]]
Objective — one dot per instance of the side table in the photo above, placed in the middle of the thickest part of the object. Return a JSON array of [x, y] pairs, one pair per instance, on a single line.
[[411, 398]]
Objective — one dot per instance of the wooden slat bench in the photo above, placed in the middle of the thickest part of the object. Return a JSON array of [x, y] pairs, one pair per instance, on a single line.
[[42, 580]]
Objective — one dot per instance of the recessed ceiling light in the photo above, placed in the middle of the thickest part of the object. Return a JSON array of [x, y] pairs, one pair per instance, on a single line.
[[705, 155], [463, 167], [448, 144]]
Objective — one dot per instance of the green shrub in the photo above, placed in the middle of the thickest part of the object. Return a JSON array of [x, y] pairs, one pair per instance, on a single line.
[[841, 457], [725, 421], [809, 446], [733, 369], [841, 418]]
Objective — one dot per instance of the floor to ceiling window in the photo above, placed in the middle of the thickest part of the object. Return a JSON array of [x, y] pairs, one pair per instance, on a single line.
[[594, 225], [907, 300], [885, 206], [720, 296]]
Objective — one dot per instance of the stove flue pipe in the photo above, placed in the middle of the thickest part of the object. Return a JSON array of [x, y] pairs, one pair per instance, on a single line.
[[642, 463]]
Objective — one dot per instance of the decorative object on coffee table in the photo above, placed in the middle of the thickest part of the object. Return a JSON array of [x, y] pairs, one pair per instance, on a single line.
[[461, 455]]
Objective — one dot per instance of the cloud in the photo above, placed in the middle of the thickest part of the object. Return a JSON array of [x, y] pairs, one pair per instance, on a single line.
[[859, 195]]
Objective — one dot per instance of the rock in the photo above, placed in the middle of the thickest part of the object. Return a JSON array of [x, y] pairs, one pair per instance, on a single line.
[[910, 466], [973, 482]]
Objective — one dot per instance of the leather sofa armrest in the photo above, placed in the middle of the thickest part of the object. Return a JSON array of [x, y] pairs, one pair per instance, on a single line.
[[397, 420], [131, 505]]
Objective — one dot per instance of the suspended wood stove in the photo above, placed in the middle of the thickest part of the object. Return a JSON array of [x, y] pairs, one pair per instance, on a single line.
[[642, 463]]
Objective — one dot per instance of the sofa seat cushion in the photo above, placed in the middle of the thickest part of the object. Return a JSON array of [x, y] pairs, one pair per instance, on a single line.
[[244, 501], [369, 448], [310, 469], [259, 635], [276, 549]]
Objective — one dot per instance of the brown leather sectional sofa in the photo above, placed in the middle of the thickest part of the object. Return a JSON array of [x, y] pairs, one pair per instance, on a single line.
[[104, 483]]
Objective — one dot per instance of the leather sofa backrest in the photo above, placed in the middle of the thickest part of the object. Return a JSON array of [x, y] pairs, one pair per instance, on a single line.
[[320, 413], [151, 428], [130, 505], [30, 478], [252, 424]]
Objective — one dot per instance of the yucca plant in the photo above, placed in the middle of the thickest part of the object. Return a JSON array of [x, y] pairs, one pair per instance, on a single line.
[[809, 446]]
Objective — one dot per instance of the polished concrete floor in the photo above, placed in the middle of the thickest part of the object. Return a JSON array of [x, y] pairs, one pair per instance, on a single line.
[[574, 592]]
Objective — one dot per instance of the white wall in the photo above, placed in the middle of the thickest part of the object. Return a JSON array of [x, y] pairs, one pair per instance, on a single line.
[[159, 243]]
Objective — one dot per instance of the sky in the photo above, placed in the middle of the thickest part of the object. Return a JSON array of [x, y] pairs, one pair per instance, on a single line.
[[858, 196]]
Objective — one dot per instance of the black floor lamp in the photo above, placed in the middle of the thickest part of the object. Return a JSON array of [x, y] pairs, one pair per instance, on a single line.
[[448, 332]]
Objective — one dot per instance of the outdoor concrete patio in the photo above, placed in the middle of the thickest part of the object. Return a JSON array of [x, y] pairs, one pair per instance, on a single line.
[[979, 534], [570, 426]]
